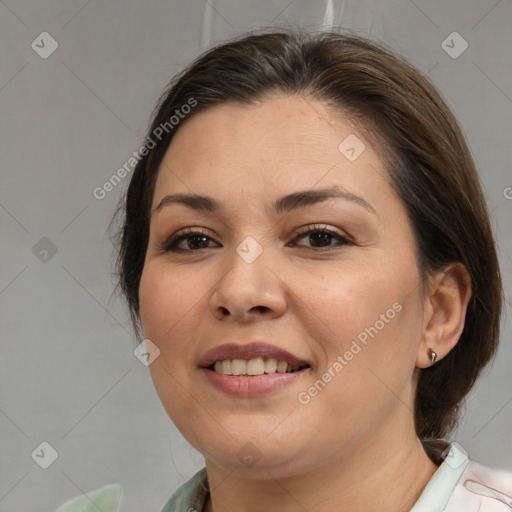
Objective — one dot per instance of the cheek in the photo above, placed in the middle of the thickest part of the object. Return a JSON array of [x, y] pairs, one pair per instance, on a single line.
[[370, 318], [348, 301], [155, 301], [168, 313], [171, 306], [166, 300]]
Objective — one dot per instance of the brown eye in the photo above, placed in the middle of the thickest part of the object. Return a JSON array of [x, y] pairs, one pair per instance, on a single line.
[[189, 241], [321, 238]]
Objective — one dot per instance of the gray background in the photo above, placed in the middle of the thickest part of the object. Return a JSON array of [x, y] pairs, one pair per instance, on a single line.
[[68, 122]]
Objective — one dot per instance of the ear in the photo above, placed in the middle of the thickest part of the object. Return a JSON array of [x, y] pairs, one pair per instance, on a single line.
[[444, 312]]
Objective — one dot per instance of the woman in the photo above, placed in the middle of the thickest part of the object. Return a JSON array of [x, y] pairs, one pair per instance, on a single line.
[[307, 250]]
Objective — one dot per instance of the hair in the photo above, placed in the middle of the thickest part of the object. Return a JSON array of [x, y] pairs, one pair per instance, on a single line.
[[422, 146]]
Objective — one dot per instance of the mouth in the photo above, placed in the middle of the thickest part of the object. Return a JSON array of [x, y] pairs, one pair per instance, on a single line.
[[254, 367], [255, 358]]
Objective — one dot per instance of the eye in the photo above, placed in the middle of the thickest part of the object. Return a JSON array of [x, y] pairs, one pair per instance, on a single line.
[[320, 237], [311, 237], [188, 240]]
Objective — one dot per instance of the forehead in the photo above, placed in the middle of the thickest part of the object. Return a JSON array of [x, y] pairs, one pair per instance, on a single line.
[[281, 144], [286, 125]]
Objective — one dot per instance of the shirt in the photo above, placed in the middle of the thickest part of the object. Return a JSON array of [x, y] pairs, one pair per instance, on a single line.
[[458, 485]]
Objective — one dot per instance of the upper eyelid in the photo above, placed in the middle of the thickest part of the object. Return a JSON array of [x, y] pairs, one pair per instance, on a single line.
[[318, 227], [303, 230]]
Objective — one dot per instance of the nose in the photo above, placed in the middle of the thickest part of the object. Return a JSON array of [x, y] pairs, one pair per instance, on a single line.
[[249, 291]]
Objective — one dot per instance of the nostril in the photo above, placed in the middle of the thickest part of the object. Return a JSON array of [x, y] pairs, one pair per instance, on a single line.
[[261, 309]]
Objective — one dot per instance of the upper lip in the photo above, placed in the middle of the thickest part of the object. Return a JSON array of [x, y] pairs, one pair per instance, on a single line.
[[248, 351]]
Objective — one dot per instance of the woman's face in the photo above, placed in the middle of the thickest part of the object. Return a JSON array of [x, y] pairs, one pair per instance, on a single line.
[[299, 252]]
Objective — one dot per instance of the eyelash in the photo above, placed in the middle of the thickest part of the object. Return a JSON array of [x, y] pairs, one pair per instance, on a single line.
[[171, 244]]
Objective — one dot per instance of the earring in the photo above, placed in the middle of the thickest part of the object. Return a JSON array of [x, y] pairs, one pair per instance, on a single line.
[[432, 355]]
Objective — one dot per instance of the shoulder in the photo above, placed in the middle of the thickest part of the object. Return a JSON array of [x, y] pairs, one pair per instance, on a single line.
[[105, 499], [191, 496], [482, 489]]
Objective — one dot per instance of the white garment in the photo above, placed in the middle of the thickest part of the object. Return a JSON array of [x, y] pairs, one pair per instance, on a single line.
[[460, 485]]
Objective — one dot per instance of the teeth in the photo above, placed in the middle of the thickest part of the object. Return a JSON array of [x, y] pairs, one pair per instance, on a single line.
[[282, 366], [238, 367], [257, 366], [226, 367], [270, 365]]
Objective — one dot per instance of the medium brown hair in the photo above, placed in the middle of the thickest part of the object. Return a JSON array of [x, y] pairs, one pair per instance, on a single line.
[[426, 157]]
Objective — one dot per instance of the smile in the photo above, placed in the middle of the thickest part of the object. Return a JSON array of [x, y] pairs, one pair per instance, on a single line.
[[253, 367], [253, 386]]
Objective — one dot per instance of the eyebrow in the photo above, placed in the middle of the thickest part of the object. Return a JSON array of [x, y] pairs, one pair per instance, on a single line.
[[286, 204]]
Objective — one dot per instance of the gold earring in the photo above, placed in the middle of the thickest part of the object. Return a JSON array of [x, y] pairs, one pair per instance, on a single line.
[[432, 355]]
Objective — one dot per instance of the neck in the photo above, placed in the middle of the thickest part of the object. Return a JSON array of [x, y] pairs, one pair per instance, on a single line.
[[388, 477]]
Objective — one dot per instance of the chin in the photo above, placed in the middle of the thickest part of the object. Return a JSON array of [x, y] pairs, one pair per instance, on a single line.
[[249, 450]]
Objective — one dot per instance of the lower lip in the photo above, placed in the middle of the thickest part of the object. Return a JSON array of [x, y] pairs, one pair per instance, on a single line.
[[251, 385]]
